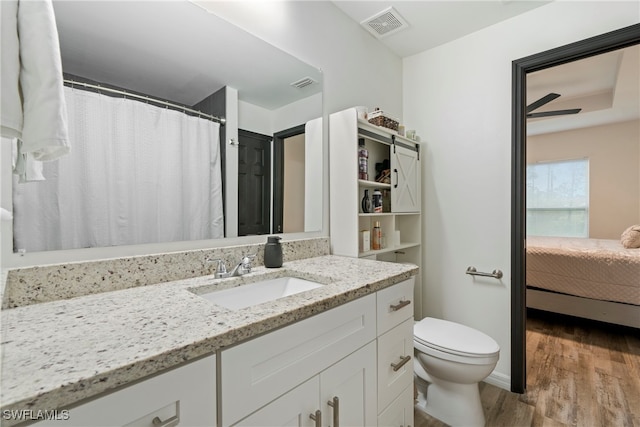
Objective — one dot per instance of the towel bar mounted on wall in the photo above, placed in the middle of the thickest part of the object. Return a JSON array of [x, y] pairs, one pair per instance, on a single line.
[[496, 274]]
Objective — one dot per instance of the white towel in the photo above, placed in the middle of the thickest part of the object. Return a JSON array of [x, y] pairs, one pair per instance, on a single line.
[[27, 169], [33, 105]]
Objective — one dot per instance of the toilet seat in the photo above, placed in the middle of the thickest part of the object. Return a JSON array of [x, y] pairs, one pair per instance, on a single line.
[[450, 340]]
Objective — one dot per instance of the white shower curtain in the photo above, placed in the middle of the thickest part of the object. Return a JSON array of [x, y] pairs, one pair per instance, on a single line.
[[136, 174]]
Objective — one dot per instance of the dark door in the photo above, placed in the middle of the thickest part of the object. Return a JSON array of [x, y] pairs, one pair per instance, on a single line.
[[254, 176]]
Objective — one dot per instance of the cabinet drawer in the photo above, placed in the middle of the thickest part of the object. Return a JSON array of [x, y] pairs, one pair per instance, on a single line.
[[395, 305], [400, 412], [256, 372], [395, 362], [186, 396]]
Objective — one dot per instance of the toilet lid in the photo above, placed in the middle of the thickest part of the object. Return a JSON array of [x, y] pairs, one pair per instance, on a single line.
[[454, 338]]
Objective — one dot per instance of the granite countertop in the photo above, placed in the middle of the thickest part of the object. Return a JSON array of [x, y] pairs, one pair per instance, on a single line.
[[57, 353]]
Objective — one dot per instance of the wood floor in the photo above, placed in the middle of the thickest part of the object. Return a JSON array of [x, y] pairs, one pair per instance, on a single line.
[[579, 373]]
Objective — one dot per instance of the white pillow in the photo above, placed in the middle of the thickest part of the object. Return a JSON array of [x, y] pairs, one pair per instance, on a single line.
[[631, 237]]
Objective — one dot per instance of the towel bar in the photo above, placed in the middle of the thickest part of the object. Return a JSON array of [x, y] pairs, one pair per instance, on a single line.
[[496, 274]]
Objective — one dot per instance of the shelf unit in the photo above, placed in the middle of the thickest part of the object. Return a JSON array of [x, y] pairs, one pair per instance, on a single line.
[[401, 216]]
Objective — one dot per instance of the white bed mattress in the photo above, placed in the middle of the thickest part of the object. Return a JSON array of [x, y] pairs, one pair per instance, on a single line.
[[591, 268]]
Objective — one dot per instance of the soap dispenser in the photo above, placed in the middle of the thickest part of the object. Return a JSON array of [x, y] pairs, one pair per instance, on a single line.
[[273, 252]]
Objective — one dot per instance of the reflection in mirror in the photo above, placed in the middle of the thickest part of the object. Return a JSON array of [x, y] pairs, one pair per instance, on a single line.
[[149, 170]]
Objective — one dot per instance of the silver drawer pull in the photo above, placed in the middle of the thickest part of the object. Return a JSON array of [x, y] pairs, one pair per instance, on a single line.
[[403, 361], [335, 404], [399, 305], [317, 417], [171, 422]]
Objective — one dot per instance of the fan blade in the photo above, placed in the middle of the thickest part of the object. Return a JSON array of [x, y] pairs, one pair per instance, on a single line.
[[540, 102], [554, 113]]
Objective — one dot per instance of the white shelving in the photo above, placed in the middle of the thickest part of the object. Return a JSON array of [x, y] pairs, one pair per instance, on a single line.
[[401, 207]]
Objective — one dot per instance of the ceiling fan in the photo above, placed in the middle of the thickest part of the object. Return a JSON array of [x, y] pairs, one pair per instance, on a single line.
[[545, 100]]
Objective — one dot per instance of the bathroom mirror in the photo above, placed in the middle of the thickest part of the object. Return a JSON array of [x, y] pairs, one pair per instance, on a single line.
[[179, 52]]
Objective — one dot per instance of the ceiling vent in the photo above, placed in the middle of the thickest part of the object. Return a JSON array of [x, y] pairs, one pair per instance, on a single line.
[[385, 23], [303, 82]]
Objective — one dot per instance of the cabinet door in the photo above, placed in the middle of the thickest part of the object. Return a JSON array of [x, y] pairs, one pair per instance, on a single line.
[[405, 180], [400, 412], [348, 390], [291, 409]]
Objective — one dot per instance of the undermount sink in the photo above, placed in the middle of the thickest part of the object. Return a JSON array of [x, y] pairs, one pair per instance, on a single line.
[[258, 292]]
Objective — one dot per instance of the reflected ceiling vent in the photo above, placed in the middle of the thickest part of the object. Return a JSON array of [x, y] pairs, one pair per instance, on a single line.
[[303, 82], [385, 23]]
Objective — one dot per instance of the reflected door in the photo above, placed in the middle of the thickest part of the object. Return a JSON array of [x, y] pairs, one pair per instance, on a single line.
[[254, 163]]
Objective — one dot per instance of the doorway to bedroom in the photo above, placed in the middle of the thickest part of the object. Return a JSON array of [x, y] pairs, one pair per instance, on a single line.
[[564, 180]]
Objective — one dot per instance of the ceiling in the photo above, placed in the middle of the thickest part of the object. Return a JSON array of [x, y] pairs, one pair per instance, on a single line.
[[175, 50], [432, 23], [606, 86]]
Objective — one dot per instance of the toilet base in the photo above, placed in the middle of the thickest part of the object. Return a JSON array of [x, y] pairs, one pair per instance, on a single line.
[[453, 404]]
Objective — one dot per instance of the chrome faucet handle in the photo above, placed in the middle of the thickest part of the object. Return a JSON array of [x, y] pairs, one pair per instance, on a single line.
[[246, 263], [221, 269]]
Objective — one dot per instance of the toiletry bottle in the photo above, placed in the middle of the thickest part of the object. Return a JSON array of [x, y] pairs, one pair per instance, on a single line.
[[363, 160], [376, 237], [366, 202], [273, 252], [377, 201]]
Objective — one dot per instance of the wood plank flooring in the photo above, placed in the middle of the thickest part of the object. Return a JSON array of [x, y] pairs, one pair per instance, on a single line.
[[579, 373]]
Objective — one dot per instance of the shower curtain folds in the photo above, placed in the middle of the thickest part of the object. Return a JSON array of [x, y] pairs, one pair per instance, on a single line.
[[137, 174]]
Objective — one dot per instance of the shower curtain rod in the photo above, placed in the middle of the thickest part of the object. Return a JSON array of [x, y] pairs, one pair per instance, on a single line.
[[220, 120]]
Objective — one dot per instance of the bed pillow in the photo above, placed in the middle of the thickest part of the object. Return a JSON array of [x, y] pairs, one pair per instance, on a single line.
[[631, 237]]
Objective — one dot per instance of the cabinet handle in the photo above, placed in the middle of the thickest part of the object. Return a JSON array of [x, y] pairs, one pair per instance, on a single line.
[[399, 305], [403, 361], [317, 417], [335, 404], [396, 172], [170, 422]]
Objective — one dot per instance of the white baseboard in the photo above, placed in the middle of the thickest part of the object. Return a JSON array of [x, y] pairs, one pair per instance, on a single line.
[[499, 380]]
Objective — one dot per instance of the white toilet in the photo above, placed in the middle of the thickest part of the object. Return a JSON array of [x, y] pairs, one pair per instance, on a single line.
[[451, 359]]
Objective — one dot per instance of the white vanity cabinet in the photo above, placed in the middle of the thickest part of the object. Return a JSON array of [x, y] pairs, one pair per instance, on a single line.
[[295, 371], [184, 396], [348, 366], [353, 362]]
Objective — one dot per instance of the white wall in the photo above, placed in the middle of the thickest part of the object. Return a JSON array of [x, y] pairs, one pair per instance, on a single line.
[[458, 97]]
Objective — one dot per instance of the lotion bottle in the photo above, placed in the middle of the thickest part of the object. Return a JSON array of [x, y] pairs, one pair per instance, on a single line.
[[273, 252]]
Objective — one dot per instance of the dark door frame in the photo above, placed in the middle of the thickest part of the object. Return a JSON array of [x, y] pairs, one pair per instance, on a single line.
[[607, 42], [278, 174]]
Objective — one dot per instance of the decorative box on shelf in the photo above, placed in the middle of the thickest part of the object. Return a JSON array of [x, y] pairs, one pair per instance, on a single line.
[[379, 118]]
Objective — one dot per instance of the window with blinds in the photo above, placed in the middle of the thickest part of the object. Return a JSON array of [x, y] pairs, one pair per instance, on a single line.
[[558, 198]]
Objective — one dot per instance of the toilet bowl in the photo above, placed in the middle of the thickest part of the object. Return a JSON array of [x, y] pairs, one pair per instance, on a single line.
[[451, 359]]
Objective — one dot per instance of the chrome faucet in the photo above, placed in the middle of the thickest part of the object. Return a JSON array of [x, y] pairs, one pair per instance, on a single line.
[[243, 267]]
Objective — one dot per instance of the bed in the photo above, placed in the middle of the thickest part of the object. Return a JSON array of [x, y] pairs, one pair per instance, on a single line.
[[592, 278]]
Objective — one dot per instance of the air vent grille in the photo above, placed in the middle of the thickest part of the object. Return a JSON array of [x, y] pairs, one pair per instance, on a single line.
[[385, 23], [303, 82]]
